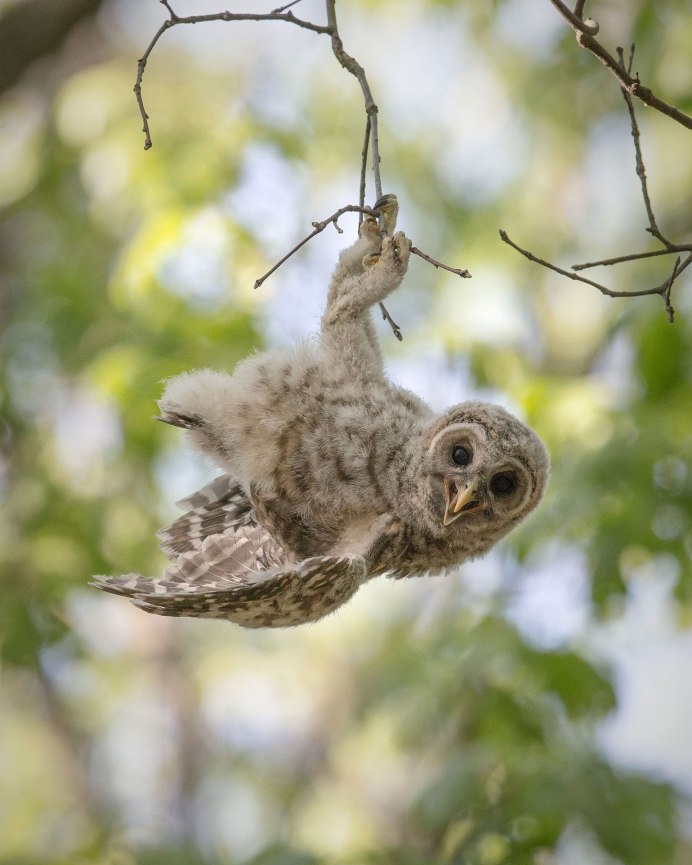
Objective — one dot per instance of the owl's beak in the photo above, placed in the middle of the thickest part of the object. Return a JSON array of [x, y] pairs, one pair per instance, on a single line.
[[460, 500]]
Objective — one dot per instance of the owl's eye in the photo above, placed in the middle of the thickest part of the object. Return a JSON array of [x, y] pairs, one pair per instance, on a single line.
[[503, 483], [461, 455]]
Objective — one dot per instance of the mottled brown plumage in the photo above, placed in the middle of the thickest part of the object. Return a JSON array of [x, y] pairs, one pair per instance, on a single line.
[[332, 474]]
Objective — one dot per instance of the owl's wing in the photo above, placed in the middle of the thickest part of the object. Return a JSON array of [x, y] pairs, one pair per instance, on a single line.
[[243, 576], [218, 507]]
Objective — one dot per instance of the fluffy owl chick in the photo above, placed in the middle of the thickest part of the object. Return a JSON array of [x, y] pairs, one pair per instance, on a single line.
[[332, 474]]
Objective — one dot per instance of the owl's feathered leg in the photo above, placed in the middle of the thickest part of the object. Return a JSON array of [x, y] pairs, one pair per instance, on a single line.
[[347, 329]]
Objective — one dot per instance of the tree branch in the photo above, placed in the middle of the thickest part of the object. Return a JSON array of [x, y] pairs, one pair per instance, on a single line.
[[351, 65], [636, 256], [663, 290], [364, 167], [586, 38], [462, 273], [173, 20], [639, 159], [318, 227]]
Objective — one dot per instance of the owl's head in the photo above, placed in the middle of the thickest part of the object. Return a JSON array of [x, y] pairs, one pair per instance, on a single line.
[[485, 468]]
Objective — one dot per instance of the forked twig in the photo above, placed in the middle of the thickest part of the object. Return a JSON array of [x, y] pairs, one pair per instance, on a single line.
[[586, 31], [318, 228], [349, 63], [174, 19], [664, 289], [463, 273]]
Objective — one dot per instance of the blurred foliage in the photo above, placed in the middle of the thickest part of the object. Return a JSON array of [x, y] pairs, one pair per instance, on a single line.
[[429, 722]]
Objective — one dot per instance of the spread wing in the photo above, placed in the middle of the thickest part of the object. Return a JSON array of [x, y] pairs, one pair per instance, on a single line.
[[218, 507], [225, 565]]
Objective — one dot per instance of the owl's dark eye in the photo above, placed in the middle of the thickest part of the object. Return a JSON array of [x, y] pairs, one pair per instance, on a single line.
[[461, 455], [503, 483]]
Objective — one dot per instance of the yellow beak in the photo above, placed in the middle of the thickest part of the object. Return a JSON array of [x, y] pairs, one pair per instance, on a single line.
[[459, 501]]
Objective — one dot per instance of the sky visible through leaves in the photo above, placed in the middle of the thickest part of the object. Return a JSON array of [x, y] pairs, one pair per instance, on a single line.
[[532, 709]]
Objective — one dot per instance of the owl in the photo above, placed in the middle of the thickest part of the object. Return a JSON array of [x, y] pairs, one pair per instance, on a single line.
[[332, 474]]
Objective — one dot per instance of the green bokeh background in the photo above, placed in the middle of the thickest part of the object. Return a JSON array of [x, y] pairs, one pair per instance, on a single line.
[[486, 718]]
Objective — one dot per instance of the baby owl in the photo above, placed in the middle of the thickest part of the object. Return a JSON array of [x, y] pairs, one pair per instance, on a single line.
[[332, 474]]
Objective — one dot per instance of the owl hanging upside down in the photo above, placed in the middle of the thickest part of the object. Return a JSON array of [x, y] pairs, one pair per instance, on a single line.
[[332, 474]]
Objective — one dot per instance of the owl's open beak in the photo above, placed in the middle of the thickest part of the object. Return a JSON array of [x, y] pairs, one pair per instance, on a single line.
[[460, 500]]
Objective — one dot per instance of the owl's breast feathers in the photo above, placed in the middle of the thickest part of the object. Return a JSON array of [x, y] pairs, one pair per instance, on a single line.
[[329, 453]]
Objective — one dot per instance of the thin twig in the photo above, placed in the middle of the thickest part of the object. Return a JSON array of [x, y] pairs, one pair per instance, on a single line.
[[663, 289], [586, 38], [351, 65], [284, 8], [605, 262], [575, 18], [175, 19], [639, 160], [364, 167], [462, 273], [622, 71], [371, 130], [666, 294], [283, 13], [318, 227], [396, 330]]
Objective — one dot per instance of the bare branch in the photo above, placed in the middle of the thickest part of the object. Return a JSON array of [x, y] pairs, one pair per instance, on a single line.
[[351, 65], [586, 38], [333, 219], [462, 273], [283, 13], [605, 262], [284, 8], [663, 290], [639, 160], [394, 326], [623, 69], [364, 167], [318, 227], [575, 18], [174, 20]]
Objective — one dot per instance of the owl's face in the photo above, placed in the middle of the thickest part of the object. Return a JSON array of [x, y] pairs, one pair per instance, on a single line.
[[484, 468]]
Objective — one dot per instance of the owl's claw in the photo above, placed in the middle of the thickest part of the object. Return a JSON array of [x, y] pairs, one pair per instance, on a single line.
[[371, 259]]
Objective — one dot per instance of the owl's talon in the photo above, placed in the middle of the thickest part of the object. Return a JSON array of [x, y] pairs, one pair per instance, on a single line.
[[371, 259]]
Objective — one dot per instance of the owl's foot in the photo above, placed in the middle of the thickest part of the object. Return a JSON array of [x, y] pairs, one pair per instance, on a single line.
[[396, 252], [370, 259]]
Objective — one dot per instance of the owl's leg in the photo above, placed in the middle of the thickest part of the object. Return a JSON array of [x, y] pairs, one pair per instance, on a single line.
[[383, 271], [347, 329]]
